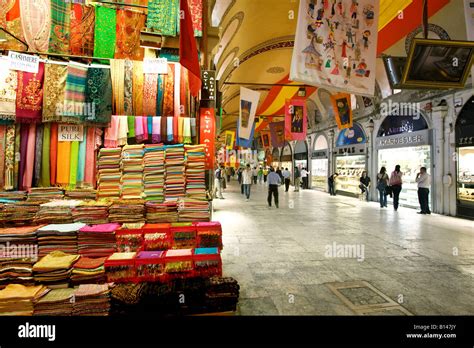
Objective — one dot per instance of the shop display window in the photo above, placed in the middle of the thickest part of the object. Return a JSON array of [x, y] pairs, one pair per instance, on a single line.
[[319, 173], [465, 172], [350, 170]]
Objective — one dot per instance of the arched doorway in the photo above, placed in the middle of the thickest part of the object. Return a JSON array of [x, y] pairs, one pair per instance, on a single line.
[[275, 158], [320, 163], [286, 158]]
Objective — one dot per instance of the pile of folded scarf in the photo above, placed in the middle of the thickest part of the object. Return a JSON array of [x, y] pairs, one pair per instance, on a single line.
[[56, 212], [154, 173], [12, 196], [108, 165], [161, 212], [19, 242], [54, 270], [222, 294], [175, 173], [81, 194], [122, 211], [132, 171], [44, 194], [92, 300], [57, 302], [193, 210], [89, 271], [129, 237], [19, 213], [195, 172], [62, 237], [16, 270], [92, 212], [97, 240], [17, 299]]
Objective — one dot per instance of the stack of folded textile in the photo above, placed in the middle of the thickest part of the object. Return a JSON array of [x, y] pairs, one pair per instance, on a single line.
[[62, 237], [154, 173], [12, 196], [97, 240], [222, 294], [193, 210], [132, 171], [195, 172], [92, 300], [92, 212], [44, 194], [19, 213], [16, 270], [108, 165], [19, 248], [161, 212], [175, 169], [56, 212], [89, 271], [17, 299], [81, 194], [132, 210], [57, 302], [54, 270]]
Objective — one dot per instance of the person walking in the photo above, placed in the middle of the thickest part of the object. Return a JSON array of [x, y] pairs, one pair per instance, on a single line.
[[304, 177], [382, 183], [331, 182], [286, 177], [265, 174], [297, 179], [239, 175], [364, 184], [278, 171], [218, 177], [247, 181], [423, 180], [255, 175], [273, 182], [395, 183], [260, 175], [228, 173]]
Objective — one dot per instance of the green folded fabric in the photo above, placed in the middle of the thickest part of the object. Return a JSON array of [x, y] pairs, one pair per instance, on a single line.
[[73, 164], [45, 175]]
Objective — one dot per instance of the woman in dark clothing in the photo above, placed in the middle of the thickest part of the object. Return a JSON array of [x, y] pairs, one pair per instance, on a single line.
[[364, 184], [331, 180], [382, 183], [396, 185]]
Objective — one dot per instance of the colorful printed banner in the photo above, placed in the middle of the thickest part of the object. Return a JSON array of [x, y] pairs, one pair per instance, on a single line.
[[247, 143], [229, 139], [208, 134], [336, 45], [277, 131], [265, 139], [341, 104], [296, 124], [248, 107]]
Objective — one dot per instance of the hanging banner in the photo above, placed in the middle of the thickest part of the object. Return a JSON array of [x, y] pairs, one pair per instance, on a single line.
[[277, 131], [247, 143], [207, 132], [229, 139], [336, 45], [341, 103], [248, 107], [208, 88], [296, 124], [265, 139], [469, 16]]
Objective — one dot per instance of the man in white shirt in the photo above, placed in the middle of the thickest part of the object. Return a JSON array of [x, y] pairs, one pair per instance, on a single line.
[[424, 181], [286, 176], [304, 177], [247, 181], [255, 175]]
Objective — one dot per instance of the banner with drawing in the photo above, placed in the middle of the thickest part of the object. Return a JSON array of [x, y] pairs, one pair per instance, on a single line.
[[277, 131], [336, 45], [229, 139], [296, 124], [248, 107], [341, 104]]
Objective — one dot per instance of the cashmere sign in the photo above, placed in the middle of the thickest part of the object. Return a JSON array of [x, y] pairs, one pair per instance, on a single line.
[[248, 107], [336, 45]]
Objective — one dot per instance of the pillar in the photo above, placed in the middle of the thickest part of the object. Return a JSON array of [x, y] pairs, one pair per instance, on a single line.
[[437, 186]]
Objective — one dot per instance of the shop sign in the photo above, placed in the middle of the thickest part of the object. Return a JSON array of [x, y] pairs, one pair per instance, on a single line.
[[155, 66], [355, 149], [404, 140], [208, 134], [208, 90], [23, 62], [320, 154], [67, 132], [466, 141]]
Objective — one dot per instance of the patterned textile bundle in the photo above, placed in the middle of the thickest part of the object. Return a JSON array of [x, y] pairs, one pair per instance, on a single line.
[[75, 96], [163, 16], [98, 95], [82, 30], [132, 172], [154, 171]]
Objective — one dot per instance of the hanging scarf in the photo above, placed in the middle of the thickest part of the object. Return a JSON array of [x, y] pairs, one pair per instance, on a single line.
[[149, 122], [29, 97], [149, 94], [169, 129], [73, 164], [63, 162], [128, 88], [131, 126], [180, 132], [30, 157], [195, 8], [82, 30], [89, 178], [54, 89], [163, 16], [53, 153], [8, 86], [159, 96], [168, 98], [164, 128], [184, 92], [38, 155], [129, 26], [17, 156], [137, 95], [111, 133], [177, 101], [75, 91], [3, 133], [9, 158], [156, 130], [117, 67], [24, 131], [139, 134], [99, 95], [45, 178], [13, 19], [105, 31], [187, 131], [60, 19], [145, 128], [81, 162], [122, 131], [36, 23]]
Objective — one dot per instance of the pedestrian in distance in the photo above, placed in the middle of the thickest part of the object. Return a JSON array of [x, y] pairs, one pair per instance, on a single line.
[[247, 181], [364, 185], [273, 182], [304, 177], [265, 174], [255, 175], [331, 183], [286, 177], [395, 183], [423, 180], [382, 184], [297, 179], [260, 175], [218, 178]]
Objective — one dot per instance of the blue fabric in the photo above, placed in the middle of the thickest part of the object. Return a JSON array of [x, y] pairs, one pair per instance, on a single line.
[[273, 179], [159, 96], [206, 251], [244, 142], [150, 125], [169, 129], [382, 198]]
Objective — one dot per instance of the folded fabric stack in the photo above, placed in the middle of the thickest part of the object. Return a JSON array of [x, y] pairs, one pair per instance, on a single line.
[[44, 194], [19, 251], [193, 210], [132, 171], [161, 212], [54, 270], [81, 194], [97, 240], [57, 302], [12, 196], [92, 212], [19, 213], [108, 165], [17, 299], [92, 300], [222, 294], [132, 210], [195, 172], [175, 169], [154, 173], [89, 271], [16, 270], [56, 212], [62, 237]]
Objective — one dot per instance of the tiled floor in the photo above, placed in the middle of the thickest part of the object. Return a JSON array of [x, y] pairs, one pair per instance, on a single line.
[[282, 257]]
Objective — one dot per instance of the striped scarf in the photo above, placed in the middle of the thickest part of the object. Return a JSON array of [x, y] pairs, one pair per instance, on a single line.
[[74, 94]]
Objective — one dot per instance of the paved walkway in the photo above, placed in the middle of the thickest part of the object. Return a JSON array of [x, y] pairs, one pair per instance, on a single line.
[[283, 258]]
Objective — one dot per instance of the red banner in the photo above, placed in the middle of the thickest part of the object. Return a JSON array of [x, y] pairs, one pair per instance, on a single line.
[[296, 124], [207, 134]]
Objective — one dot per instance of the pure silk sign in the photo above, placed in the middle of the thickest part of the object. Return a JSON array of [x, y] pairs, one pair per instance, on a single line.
[[248, 107], [68, 132], [336, 45]]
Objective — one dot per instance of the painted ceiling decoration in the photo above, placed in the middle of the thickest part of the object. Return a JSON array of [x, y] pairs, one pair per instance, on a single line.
[[228, 34]]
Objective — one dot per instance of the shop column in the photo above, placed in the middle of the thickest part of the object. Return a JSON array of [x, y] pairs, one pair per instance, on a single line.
[[437, 186]]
